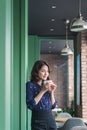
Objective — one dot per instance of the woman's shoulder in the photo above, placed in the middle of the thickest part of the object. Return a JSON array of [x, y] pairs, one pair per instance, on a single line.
[[28, 83], [31, 85]]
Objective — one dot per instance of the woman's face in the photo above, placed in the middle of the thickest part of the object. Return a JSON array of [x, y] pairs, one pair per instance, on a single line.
[[43, 72]]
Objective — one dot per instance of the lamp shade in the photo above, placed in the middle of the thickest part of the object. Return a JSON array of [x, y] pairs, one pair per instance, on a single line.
[[78, 25], [66, 50]]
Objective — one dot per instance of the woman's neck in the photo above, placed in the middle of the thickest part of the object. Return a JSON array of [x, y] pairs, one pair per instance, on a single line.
[[39, 82]]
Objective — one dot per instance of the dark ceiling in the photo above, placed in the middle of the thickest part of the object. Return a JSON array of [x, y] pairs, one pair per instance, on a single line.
[[46, 17]]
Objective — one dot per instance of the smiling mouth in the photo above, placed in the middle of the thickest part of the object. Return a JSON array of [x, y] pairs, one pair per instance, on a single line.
[[45, 77]]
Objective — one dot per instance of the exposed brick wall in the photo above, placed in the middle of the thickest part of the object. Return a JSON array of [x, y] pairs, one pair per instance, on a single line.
[[84, 73], [62, 73], [79, 111], [71, 78]]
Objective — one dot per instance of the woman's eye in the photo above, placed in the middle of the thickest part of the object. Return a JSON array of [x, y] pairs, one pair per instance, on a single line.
[[42, 71]]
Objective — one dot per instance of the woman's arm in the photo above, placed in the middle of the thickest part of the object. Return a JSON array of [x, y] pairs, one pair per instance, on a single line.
[[45, 88], [52, 98], [41, 93], [30, 99], [52, 90]]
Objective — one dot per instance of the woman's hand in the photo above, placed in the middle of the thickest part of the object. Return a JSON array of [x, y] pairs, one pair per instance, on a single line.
[[49, 85], [53, 87]]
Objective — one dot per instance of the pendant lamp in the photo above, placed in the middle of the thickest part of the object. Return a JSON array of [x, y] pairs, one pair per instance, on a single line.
[[66, 50], [78, 24]]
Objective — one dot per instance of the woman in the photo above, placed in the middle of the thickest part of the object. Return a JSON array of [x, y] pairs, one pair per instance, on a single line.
[[40, 97]]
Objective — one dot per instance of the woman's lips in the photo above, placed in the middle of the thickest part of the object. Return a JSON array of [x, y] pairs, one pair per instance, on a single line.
[[45, 77]]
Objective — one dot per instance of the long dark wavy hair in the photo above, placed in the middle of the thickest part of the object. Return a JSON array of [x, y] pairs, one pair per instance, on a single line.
[[35, 70]]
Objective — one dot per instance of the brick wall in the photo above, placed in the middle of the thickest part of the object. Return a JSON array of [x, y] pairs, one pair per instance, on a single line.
[[84, 73], [62, 73], [79, 111]]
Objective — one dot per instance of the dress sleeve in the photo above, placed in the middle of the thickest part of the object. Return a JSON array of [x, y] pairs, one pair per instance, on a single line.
[[54, 105], [30, 96]]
